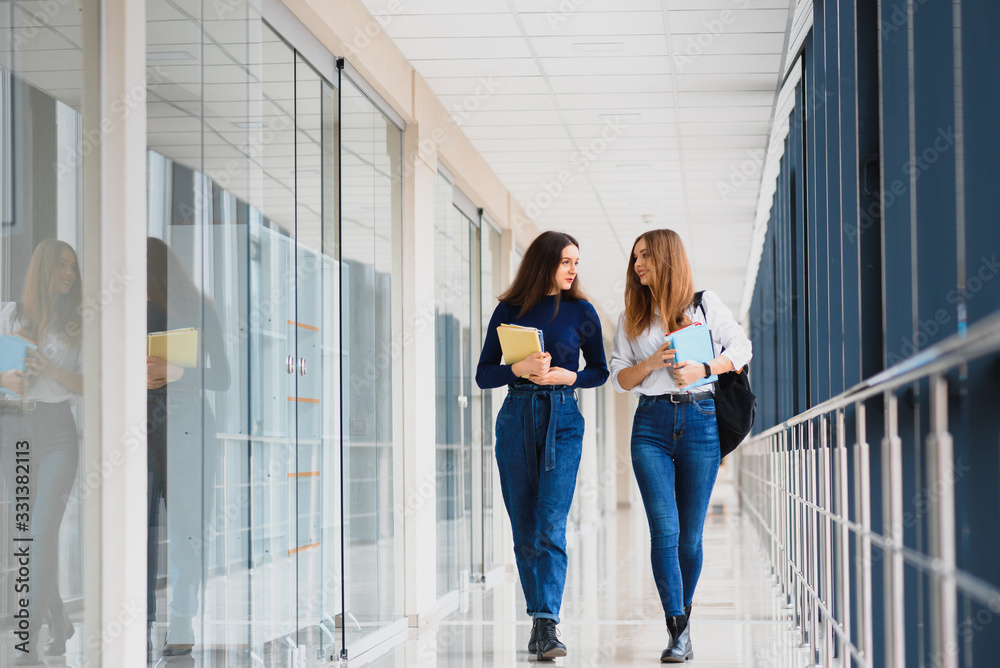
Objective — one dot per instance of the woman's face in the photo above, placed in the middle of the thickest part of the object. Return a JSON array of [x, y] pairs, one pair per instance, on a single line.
[[65, 274], [642, 263], [566, 273]]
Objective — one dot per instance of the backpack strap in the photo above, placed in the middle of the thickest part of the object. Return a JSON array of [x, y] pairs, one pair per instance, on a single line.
[[698, 303]]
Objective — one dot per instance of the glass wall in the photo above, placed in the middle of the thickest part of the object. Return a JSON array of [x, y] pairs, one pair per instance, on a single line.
[[44, 479], [492, 498], [371, 150], [272, 537], [456, 278]]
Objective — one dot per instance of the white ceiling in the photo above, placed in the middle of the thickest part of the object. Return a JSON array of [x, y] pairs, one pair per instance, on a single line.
[[685, 88]]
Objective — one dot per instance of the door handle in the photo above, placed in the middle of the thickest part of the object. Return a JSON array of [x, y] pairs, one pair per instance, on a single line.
[[302, 366], [290, 363]]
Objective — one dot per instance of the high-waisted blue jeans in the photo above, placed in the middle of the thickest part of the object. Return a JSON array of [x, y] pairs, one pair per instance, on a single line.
[[539, 439], [54, 453], [675, 455]]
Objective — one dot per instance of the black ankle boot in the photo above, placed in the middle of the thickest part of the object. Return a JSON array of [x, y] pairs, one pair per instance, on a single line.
[[685, 638], [549, 646], [59, 632], [676, 626], [533, 638]]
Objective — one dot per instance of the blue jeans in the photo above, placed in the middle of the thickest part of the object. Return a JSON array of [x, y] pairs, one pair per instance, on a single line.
[[539, 439], [675, 455], [53, 457]]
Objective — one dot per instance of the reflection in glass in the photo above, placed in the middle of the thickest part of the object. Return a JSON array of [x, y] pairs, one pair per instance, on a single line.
[[41, 334], [41, 380], [453, 260], [370, 200], [492, 286]]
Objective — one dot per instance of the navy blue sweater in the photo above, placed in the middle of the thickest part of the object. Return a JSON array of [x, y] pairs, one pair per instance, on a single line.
[[576, 327]]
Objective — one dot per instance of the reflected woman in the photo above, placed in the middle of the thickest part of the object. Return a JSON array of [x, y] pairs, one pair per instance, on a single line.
[[38, 410], [675, 439], [182, 446], [539, 431]]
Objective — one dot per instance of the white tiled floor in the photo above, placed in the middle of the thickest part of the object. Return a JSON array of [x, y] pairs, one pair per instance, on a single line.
[[611, 613]]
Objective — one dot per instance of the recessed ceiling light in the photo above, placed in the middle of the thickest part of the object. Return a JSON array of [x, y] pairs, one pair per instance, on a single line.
[[591, 47], [168, 55]]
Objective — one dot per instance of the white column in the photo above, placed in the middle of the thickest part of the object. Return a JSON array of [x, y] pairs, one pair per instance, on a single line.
[[114, 292], [419, 501]]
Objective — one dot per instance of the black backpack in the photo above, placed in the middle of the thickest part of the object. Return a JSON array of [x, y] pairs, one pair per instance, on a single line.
[[735, 402]]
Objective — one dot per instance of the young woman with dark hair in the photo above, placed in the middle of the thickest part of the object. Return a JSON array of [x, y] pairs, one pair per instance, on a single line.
[[539, 429], [182, 448], [37, 409], [675, 439]]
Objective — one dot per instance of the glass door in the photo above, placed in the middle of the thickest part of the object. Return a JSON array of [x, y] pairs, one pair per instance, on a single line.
[[317, 472], [492, 499], [272, 576], [459, 412]]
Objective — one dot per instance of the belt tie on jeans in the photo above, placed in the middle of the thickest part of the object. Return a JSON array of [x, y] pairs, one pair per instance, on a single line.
[[541, 393]]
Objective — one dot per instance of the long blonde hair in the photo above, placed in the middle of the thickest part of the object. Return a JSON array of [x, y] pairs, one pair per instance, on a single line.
[[673, 291], [45, 311]]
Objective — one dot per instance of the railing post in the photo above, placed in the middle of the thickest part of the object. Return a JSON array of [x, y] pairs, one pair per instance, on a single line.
[[863, 506], [813, 577], [892, 528], [844, 535], [941, 493], [801, 527], [825, 574]]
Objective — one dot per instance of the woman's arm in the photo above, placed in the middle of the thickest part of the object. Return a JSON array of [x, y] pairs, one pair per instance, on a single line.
[[595, 372], [627, 372], [490, 373], [39, 364], [727, 333]]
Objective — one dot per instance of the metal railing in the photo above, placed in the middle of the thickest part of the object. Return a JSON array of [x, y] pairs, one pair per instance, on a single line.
[[797, 480]]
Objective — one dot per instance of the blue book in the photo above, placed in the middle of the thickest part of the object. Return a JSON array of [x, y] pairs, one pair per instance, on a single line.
[[694, 342], [13, 350]]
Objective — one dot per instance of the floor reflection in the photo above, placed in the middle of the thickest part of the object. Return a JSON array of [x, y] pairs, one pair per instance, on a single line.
[[611, 614]]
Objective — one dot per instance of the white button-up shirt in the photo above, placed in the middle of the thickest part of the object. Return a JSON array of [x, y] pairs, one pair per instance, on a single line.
[[726, 333]]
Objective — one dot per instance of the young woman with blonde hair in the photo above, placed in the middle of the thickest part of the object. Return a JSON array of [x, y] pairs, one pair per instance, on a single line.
[[539, 428], [675, 439], [36, 413]]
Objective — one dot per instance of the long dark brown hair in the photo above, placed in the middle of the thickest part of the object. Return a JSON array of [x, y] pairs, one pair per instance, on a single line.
[[673, 289], [168, 283], [45, 311], [537, 274]]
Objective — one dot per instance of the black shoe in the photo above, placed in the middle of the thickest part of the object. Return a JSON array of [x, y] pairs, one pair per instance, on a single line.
[[685, 638], [675, 653], [549, 646], [59, 633], [533, 638]]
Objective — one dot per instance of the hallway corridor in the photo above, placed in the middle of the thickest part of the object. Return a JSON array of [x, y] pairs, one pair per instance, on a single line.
[[611, 614]]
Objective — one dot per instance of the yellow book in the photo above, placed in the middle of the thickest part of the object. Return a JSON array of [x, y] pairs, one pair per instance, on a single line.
[[177, 346], [519, 342]]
